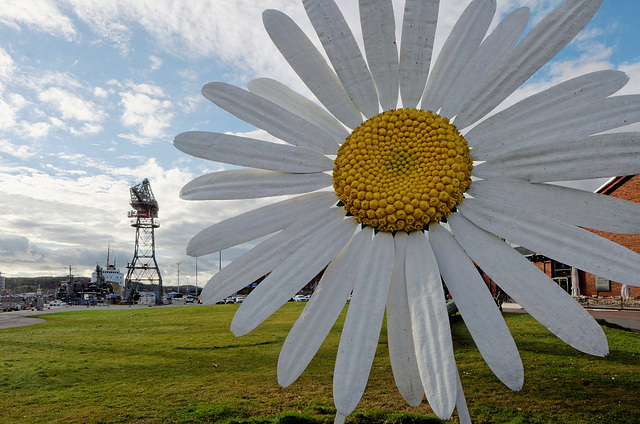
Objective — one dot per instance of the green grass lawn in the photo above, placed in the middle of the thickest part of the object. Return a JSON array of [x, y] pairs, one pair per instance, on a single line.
[[183, 365]]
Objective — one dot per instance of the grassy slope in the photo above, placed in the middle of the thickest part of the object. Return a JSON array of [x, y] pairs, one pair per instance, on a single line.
[[165, 365]]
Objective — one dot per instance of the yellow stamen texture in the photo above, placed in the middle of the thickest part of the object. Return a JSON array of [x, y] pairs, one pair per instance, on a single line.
[[402, 169]]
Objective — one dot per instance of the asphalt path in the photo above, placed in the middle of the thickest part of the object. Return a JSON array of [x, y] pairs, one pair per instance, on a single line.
[[31, 317], [624, 318]]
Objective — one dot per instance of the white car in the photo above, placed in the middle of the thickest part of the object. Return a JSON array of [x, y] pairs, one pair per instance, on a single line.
[[300, 298]]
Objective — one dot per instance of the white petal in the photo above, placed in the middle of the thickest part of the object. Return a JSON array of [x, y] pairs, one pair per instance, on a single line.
[[293, 273], [492, 50], [555, 239], [402, 351], [343, 52], [463, 41], [257, 223], [310, 66], [592, 157], [274, 119], [243, 151], [527, 285], [416, 47], [478, 309], [595, 86], [379, 33], [251, 184], [324, 307], [568, 124], [577, 207], [541, 44], [283, 96], [361, 330], [265, 257], [461, 405], [430, 325]]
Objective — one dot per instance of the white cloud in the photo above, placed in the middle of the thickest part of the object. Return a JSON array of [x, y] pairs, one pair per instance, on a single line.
[[7, 66], [596, 58], [7, 115], [148, 89], [33, 130], [156, 62], [190, 103], [229, 29], [100, 93], [39, 15], [539, 8], [21, 152], [38, 101], [71, 106], [188, 74], [146, 109], [87, 128], [633, 71]]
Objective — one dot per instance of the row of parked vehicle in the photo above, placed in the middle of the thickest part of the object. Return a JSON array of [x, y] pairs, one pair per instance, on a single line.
[[230, 299], [240, 299]]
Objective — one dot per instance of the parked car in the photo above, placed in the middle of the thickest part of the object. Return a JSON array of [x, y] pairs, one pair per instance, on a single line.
[[190, 299], [300, 298]]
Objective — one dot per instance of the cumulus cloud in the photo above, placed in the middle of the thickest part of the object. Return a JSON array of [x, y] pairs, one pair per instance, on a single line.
[[72, 106], [100, 93], [8, 115], [34, 130], [35, 101], [146, 109], [18, 151]]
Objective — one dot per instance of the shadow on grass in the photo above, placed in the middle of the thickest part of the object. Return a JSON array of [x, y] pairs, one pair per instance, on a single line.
[[224, 414], [538, 340], [233, 346], [603, 322]]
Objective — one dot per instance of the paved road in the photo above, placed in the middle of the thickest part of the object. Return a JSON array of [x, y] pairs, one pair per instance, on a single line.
[[29, 317], [627, 319]]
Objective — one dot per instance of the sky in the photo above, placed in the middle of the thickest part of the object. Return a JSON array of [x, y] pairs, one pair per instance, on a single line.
[[92, 93]]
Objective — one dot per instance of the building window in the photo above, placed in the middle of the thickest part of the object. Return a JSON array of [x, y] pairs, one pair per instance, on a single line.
[[561, 274]]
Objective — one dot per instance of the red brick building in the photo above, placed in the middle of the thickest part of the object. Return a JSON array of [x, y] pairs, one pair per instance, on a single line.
[[627, 188], [557, 271]]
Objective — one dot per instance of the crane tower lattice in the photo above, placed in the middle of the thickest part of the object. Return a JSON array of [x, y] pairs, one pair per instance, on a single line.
[[143, 268]]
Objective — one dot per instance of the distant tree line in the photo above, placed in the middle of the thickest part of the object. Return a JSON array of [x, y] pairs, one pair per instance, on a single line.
[[31, 284]]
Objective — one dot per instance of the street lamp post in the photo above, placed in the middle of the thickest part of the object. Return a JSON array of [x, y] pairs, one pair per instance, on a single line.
[[178, 276]]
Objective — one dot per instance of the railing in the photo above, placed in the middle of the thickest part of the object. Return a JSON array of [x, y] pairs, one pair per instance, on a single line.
[[614, 302]]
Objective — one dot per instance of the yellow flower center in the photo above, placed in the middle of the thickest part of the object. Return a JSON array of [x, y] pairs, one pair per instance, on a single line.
[[402, 169]]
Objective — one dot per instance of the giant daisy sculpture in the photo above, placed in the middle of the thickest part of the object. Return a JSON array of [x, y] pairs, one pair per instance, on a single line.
[[404, 176]]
